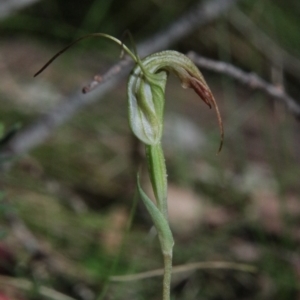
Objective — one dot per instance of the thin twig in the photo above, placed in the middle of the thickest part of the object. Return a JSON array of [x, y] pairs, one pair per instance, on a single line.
[[199, 15], [187, 268], [100, 79], [40, 130], [251, 80]]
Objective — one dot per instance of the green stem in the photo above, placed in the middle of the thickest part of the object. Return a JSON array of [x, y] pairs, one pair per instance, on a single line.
[[167, 275], [158, 175]]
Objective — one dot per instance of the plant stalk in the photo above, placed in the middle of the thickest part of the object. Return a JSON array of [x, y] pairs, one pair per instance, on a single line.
[[158, 175], [167, 275]]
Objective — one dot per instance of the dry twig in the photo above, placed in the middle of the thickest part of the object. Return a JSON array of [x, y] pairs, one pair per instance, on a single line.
[[251, 80], [187, 268], [201, 14]]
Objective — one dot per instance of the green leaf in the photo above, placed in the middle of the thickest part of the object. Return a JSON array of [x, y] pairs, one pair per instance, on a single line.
[[161, 224], [158, 175]]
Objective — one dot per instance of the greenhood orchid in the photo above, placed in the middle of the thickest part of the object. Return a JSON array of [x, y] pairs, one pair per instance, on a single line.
[[146, 89], [146, 98]]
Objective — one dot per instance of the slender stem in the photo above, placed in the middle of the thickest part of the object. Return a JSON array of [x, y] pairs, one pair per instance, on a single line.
[[167, 275], [158, 175]]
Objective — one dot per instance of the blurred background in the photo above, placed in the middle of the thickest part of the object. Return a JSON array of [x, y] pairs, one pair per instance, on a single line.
[[68, 216]]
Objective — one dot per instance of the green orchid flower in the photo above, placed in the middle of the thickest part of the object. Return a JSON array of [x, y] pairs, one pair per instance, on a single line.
[[146, 89]]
